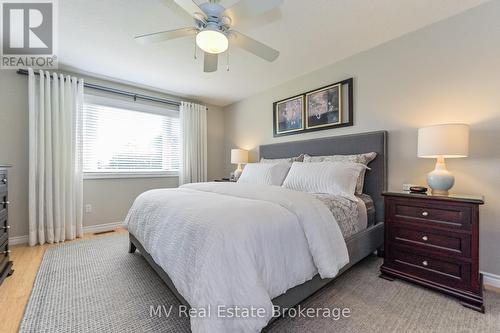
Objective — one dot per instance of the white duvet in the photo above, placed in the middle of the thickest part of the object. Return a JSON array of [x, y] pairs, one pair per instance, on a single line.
[[227, 244]]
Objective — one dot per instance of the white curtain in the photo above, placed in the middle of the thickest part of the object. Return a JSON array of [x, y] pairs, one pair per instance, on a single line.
[[55, 161], [193, 119]]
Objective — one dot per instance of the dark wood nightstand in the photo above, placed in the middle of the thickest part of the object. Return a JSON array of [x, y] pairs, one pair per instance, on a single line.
[[225, 180], [434, 241]]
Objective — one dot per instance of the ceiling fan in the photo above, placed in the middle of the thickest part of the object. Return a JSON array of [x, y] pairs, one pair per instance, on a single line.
[[213, 29]]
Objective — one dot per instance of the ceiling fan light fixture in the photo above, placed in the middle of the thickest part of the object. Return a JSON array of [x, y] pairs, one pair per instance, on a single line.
[[212, 41]]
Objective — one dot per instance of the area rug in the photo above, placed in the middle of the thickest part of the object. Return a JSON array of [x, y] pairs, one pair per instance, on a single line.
[[96, 286]]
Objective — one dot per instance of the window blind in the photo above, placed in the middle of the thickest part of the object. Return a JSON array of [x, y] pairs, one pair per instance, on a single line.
[[117, 139]]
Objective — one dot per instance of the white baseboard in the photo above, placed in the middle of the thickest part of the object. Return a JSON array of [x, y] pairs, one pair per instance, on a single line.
[[16, 240], [491, 279], [102, 227]]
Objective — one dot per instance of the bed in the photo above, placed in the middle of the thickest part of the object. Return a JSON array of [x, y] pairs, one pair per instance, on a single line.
[[359, 245]]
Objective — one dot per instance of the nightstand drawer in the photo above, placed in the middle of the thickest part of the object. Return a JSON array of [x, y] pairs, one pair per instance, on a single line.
[[4, 255], [3, 203], [442, 242], [442, 270], [430, 213], [3, 228], [3, 181]]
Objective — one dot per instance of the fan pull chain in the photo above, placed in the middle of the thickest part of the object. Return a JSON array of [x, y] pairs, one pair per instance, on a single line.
[[195, 56], [227, 59]]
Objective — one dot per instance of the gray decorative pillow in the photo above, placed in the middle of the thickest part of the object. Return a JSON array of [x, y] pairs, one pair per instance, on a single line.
[[299, 158], [358, 158]]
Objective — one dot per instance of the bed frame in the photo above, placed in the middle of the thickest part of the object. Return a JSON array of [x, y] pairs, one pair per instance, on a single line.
[[359, 245]]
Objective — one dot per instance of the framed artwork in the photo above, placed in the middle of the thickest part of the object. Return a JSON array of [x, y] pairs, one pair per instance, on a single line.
[[323, 107], [319, 109], [289, 115]]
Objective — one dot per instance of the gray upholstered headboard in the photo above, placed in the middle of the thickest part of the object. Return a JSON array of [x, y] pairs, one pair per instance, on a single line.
[[375, 179]]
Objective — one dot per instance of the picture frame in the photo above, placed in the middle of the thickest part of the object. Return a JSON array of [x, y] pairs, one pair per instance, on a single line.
[[289, 115], [324, 107], [345, 110]]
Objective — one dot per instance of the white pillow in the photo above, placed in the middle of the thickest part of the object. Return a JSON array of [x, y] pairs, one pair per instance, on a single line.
[[264, 173], [337, 178], [357, 158]]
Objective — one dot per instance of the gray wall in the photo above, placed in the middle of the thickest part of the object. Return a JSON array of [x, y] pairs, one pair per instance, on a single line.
[[447, 72], [110, 198]]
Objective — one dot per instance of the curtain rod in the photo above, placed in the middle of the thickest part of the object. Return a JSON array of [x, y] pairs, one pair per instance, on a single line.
[[118, 91]]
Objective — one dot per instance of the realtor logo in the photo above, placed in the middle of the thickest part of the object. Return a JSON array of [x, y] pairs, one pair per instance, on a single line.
[[28, 30]]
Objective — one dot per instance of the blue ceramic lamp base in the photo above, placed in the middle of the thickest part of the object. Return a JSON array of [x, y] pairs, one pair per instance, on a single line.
[[237, 172], [440, 180]]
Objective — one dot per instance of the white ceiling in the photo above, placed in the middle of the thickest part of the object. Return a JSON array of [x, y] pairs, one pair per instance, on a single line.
[[96, 36]]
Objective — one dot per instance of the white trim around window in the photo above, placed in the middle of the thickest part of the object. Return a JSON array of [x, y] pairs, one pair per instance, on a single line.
[[96, 101], [135, 174], [168, 110]]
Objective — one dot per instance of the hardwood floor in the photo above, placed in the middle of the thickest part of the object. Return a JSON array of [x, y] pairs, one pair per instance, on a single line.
[[494, 289], [15, 290]]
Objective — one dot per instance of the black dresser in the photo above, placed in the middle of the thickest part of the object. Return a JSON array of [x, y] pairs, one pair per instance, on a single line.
[[5, 263]]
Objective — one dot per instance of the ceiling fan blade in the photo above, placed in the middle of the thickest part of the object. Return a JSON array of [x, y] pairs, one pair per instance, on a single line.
[[191, 7], [249, 8], [210, 62], [165, 35], [251, 45]]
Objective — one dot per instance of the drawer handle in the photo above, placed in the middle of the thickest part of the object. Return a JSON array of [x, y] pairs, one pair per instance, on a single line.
[[5, 202], [425, 214], [6, 227], [425, 238], [6, 252], [425, 263], [4, 180]]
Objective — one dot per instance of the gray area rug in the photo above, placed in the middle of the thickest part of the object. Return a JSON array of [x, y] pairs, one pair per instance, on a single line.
[[96, 286]]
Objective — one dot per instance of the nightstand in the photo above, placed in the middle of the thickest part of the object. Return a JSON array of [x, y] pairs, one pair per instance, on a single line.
[[225, 180], [434, 241]]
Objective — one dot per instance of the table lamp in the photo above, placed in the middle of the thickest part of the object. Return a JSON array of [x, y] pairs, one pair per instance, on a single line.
[[238, 156], [440, 142]]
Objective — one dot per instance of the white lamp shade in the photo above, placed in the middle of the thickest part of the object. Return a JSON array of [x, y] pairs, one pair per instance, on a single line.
[[448, 140], [239, 156]]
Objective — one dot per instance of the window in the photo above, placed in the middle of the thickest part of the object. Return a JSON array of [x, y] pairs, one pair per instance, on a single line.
[[128, 139]]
